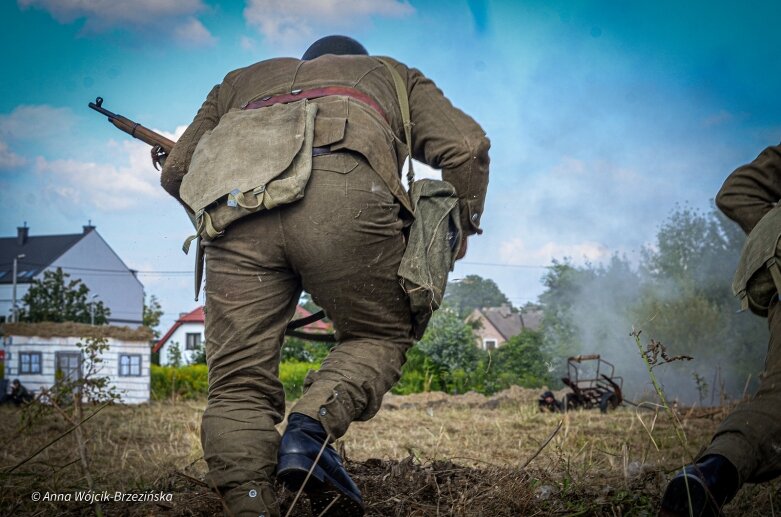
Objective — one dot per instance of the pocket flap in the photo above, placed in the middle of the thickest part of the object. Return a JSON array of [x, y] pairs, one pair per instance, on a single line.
[[248, 148], [329, 130]]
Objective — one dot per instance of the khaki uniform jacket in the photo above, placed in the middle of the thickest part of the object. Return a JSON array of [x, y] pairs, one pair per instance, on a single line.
[[752, 190], [443, 136]]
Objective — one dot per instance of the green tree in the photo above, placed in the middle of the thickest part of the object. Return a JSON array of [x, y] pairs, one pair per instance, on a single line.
[[449, 347], [55, 298], [687, 299], [564, 285], [152, 314], [522, 361], [472, 292], [679, 295], [174, 355]]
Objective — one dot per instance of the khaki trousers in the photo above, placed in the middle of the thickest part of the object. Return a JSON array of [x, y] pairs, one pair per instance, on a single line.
[[342, 243], [750, 436]]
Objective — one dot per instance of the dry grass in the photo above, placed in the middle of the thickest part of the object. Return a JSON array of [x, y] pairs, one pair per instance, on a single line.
[[437, 456], [70, 329]]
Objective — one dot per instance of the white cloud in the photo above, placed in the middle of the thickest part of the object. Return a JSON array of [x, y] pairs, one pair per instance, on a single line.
[[518, 251], [247, 43], [107, 187], [193, 32], [175, 17], [28, 122], [287, 22], [9, 159]]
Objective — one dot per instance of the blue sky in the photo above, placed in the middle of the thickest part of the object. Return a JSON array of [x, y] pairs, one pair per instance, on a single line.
[[603, 116]]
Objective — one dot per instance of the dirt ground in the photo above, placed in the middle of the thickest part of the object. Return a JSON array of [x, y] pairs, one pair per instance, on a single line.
[[424, 454]]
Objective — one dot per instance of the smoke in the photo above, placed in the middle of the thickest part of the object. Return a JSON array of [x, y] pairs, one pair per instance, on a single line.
[[677, 294]]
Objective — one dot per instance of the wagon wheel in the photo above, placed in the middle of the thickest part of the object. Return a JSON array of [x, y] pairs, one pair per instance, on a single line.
[[608, 401]]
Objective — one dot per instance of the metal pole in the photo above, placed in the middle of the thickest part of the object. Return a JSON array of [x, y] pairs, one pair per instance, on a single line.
[[14, 310], [13, 296], [92, 310]]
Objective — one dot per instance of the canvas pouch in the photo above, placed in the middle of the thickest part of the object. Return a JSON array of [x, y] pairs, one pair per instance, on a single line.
[[758, 276], [253, 160], [434, 238]]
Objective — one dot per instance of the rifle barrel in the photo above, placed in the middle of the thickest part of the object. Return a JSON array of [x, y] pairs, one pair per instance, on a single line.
[[132, 128]]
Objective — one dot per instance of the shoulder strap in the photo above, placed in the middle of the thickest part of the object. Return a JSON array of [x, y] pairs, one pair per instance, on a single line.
[[401, 94]]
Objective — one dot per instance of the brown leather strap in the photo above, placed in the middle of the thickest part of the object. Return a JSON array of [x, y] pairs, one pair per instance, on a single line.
[[316, 93]]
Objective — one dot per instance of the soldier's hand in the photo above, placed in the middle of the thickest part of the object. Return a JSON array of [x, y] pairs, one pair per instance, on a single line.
[[462, 251]]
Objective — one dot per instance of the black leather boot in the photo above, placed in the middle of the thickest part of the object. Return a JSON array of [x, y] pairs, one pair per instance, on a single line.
[[701, 489], [329, 483]]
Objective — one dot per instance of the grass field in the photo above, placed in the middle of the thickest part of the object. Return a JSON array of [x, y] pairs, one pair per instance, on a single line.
[[427, 454]]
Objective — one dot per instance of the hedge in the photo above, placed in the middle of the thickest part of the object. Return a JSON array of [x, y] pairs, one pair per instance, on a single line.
[[190, 382]]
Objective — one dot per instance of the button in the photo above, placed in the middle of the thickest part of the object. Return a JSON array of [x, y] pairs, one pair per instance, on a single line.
[[267, 97], [253, 493], [296, 92], [475, 217], [323, 411]]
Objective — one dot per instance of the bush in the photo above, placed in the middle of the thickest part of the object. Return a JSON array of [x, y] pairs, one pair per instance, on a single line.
[[292, 374], [520, 361], [191, 382], [186, 382]]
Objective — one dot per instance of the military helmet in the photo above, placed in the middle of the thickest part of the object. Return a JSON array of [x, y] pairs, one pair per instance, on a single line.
[[339, 45]]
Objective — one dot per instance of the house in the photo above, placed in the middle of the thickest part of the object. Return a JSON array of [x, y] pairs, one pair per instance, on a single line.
[[38, 353], [188, 334], [498, 324], [84, 256]]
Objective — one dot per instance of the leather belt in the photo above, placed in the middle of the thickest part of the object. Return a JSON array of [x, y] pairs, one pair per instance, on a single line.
[[316, 93]]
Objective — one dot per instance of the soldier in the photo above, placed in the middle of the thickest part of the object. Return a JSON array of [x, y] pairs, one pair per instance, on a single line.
[[746, 445], [548, 402], [19, 394], [342, 242]]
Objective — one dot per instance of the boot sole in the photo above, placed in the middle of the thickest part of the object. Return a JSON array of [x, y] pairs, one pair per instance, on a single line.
[[321, 488]]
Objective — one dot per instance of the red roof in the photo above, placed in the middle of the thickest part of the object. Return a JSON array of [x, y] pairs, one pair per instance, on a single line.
[[198, 316]]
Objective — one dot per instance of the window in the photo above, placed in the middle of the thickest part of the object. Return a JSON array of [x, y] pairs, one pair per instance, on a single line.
[[29, 362], [130, 365], [489, 344], [193, 341]]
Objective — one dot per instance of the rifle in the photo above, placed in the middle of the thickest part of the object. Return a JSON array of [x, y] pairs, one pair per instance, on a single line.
[[161, 145]]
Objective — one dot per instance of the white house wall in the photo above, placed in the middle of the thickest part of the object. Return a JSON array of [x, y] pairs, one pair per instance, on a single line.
[[180, 336], [132, 390], [94, 262]]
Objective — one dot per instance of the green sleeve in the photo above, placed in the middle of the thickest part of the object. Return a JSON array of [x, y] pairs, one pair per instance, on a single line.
[[752, 190], [446, 138]]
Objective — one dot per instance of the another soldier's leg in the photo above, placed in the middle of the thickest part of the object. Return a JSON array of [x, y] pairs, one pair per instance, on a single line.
[[750, 437], [346, 242], [250, 296]]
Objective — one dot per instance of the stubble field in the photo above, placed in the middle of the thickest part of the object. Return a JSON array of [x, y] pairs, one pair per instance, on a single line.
[[426, 454]]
